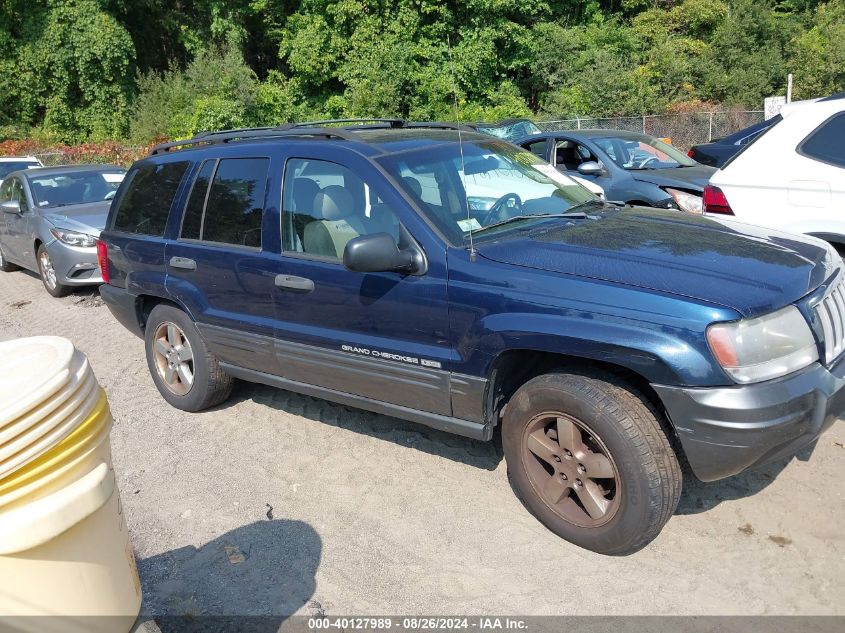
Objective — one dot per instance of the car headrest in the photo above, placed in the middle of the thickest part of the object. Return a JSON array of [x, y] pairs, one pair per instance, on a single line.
[[333, 203], [304, 192], [413, 184]]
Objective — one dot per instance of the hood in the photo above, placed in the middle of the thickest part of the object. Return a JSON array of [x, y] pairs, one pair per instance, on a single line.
[[89, 218], [693, 178], [750, 269]]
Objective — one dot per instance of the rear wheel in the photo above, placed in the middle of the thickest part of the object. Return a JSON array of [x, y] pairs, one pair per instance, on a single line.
[[48, 274], [591, 461], [186, 374], [5, 265]]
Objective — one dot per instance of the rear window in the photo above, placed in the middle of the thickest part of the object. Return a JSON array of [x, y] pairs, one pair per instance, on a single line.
[[230, 209], [145, 205], [825, 143]]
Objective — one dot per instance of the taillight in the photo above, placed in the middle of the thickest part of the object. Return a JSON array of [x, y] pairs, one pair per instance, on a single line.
[[103, 260], [689, 153], [714, 201]]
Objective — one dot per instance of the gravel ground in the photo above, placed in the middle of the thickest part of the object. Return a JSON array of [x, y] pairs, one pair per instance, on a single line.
[[274, 503]]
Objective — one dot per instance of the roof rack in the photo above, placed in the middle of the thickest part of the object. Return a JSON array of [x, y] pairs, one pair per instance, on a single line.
[[393, 123], [440, 125], [227, 136], [307, 129]]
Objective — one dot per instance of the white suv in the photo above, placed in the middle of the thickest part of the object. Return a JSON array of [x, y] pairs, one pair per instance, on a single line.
[[792, 177], [8, 164]]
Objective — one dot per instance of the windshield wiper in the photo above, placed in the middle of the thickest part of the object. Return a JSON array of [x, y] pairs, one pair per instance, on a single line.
[[571, 214]]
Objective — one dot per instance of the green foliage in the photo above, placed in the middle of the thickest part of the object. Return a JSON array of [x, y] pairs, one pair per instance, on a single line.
[[216, 91], [820, 53], [75, 70]]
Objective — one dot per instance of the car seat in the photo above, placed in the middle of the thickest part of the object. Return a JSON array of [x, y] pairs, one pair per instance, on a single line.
[[567, 156], [339, 222]]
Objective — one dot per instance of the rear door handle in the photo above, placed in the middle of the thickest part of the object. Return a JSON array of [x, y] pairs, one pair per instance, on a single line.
[[295, 284], [185, 263]]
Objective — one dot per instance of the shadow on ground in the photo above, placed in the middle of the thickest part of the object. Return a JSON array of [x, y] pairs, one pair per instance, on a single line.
[[249, 579], [698, 496], [484, 455]]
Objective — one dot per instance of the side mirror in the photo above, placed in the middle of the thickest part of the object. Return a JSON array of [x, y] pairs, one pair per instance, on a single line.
[[590, 168], [11, 206], [377, 253]]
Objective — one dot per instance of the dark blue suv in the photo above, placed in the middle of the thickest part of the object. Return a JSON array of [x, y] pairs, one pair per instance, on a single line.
[[455, 280]]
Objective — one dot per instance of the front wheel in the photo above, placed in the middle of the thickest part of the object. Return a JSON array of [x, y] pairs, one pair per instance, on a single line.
[[591, 461], [48, 274]]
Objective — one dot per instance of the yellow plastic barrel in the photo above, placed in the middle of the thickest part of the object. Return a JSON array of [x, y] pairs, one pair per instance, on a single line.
[[64, 546]]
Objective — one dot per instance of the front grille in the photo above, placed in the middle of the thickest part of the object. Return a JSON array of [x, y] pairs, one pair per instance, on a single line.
[[831, 314]]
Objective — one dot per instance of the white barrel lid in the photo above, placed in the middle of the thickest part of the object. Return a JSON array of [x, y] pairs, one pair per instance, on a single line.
[[32, 370]]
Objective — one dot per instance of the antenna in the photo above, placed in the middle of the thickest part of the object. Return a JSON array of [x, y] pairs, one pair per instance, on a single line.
[[472, 251]]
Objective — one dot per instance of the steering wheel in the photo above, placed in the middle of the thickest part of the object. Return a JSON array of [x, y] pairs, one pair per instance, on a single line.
[[647, 161], [499, 205]]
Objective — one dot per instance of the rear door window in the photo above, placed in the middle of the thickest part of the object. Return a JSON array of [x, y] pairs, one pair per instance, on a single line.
[[226, 203], [145, 205], [825, 143]]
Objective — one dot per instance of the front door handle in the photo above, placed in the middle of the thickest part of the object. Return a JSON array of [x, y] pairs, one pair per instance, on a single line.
[[295, 284], [185, 263]]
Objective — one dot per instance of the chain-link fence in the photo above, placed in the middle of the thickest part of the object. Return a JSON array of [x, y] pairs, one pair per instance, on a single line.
[[685, 130]]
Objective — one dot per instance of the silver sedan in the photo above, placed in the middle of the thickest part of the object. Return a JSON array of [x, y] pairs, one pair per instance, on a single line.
[[51, 219]]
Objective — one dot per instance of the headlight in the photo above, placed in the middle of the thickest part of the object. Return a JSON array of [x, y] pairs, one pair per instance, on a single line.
[[72, 238], [767, 347], [688, 202]]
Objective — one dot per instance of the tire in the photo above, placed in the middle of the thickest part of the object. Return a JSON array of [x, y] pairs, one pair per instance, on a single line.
[[175, 350], [5, 265], [606, 429], [48, 274]]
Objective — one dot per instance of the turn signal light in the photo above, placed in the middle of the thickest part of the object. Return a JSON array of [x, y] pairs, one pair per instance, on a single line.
[[714, 201]]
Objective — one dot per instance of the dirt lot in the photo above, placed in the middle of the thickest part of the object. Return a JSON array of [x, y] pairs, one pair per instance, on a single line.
[[371, 515]]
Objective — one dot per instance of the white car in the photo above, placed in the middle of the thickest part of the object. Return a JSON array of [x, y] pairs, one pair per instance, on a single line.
[[792, 177], [8, 164]]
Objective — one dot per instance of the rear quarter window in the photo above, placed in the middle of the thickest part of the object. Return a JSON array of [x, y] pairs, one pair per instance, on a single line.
[[145, 206], [827, 142]]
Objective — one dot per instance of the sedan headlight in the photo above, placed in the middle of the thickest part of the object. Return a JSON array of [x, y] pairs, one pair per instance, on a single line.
[[767, 347], [688, 202], [73, 238]]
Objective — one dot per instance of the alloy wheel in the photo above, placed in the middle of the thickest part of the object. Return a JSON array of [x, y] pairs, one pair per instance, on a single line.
[[571, 469], [47, 270], [174, 358]]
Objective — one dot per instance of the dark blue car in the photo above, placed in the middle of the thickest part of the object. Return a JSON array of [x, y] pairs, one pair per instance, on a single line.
[[632, 168], [459, 282]]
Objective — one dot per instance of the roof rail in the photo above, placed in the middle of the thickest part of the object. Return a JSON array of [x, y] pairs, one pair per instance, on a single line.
[[441, 125], [393, 123], [307, 128], [227, 136]]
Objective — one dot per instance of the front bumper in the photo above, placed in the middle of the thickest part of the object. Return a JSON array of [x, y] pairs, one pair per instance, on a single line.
[[74, 266], [725, 430]]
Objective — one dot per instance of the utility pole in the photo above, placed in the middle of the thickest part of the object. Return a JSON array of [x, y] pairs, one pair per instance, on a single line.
[[789, 88]]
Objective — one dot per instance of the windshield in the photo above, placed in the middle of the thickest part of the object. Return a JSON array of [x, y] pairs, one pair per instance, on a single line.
[[638, 151], [501, 180], [7, 167], [509, 131], [80, 187]]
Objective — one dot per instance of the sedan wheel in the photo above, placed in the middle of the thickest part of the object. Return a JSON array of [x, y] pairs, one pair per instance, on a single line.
[[48, 274]]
